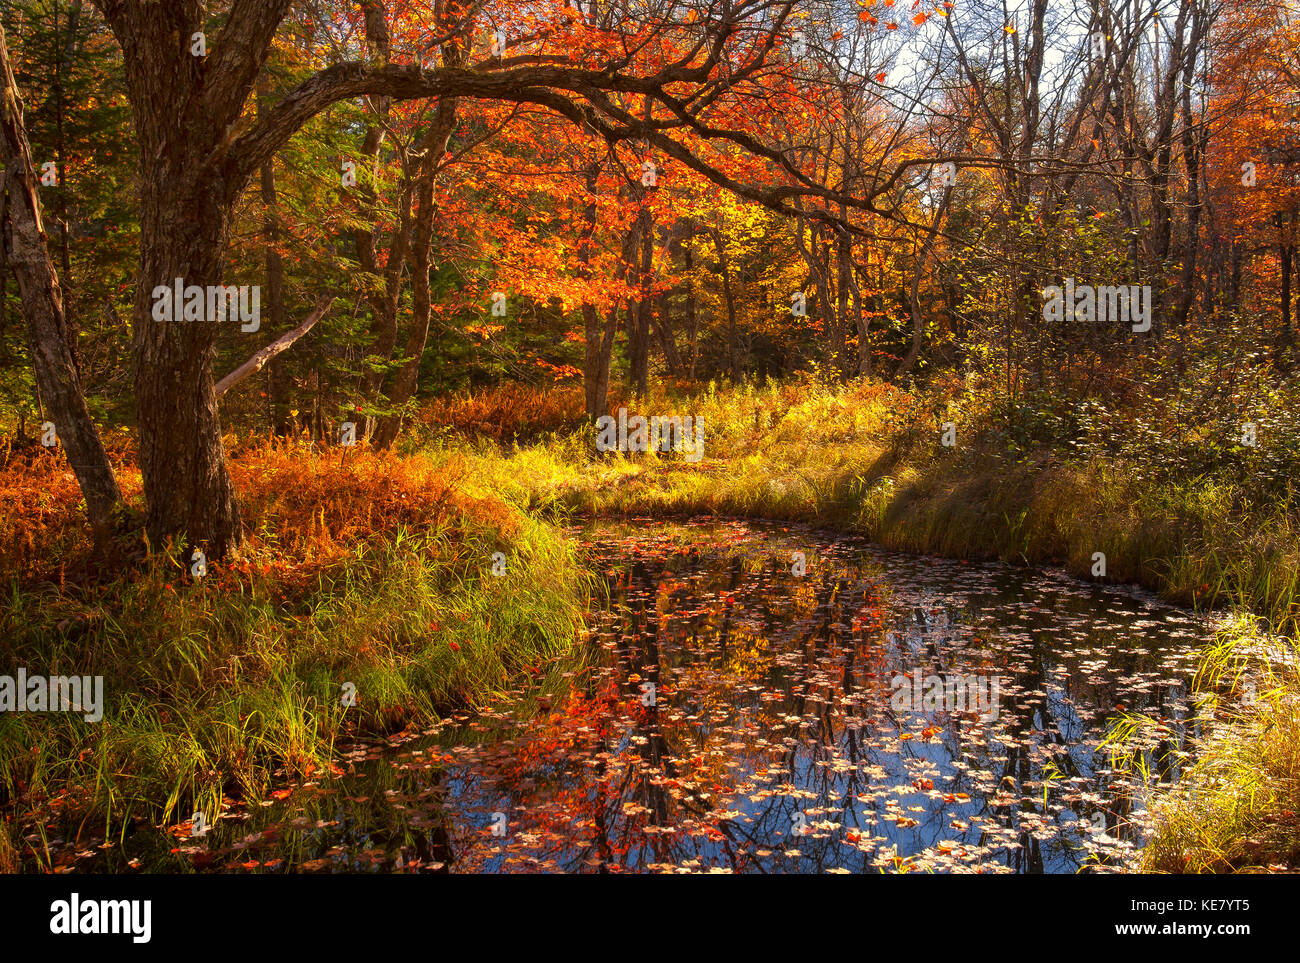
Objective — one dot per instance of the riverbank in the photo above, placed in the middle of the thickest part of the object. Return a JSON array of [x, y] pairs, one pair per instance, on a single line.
[[871, 459], [367, 599], [1235, 807]]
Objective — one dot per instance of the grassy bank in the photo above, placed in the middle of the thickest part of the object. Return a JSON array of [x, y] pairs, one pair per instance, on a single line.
[[373, 574], [1234, 808], [870, 459], [364, 574]]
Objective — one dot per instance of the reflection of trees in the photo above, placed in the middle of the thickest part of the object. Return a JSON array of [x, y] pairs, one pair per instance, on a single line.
[[786, 679]]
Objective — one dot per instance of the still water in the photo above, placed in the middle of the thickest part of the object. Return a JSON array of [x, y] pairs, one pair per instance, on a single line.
[[768, 699]]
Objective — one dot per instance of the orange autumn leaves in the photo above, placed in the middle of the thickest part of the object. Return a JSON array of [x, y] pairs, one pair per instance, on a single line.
[[918, 19]]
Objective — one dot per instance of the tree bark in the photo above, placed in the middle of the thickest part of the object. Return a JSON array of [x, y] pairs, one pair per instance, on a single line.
[[400, 387], [27, 252], [667, 337], [187, 116], [598, 339], [638, 314]]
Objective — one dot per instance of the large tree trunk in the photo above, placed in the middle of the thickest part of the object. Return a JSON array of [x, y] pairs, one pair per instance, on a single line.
[[187, 111], [182, 235], [28, 253]]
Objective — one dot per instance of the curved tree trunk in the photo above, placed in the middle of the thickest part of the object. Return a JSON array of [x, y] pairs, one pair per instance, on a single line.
[[38, 285], [199, 149], [400, 387], [186, 103]]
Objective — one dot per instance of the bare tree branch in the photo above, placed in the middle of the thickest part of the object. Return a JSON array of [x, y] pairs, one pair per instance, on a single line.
[[281, 344]]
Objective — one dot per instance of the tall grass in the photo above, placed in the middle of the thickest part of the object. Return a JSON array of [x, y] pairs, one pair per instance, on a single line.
[[364, 573], [1236, 807]]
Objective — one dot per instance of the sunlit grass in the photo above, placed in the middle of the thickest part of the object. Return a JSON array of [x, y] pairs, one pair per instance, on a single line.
[[1235, 808], [359, 573], [868, 458]]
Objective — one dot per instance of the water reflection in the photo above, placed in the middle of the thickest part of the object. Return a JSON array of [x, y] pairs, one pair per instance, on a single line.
[[742, 718], [758, 698]]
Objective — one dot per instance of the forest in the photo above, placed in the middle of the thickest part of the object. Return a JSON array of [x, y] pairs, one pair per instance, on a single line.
[[649, 436]]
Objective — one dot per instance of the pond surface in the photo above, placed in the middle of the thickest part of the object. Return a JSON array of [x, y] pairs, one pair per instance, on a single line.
[[740, 717], [762, 698]]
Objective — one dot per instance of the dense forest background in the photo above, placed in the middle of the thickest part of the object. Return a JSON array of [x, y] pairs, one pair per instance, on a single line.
[[905, 181]]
